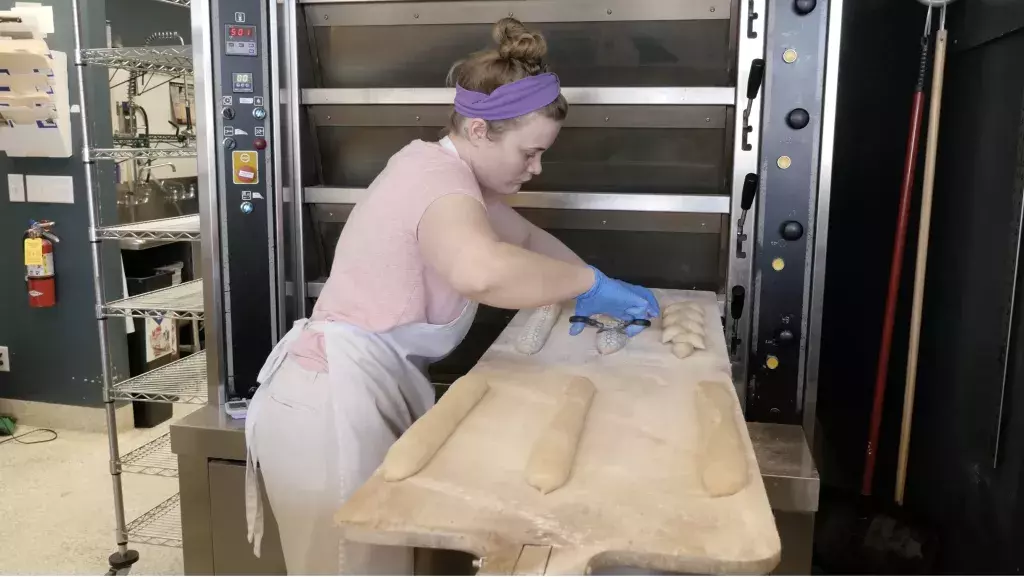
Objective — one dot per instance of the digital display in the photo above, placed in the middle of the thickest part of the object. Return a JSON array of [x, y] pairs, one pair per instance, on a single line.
[[241, 82], [239, 40], [242, 32]]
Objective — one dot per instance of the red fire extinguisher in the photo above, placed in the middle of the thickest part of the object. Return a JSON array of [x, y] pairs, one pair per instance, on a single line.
[[40, 275]]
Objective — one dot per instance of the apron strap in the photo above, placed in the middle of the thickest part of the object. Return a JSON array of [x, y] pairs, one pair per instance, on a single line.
[[280, 351], [253, 504]]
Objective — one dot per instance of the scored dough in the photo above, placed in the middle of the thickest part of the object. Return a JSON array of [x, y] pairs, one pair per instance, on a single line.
[[554, 452], [418, 445], [682, 306], [694, 340], [682, 350], [722, 458], [538, 327], [609, 342]]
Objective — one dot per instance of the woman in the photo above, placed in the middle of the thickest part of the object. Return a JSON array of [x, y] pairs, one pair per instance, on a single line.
[[431, 240]]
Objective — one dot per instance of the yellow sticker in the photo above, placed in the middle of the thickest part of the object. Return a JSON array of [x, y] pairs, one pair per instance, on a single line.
[[33, 252]]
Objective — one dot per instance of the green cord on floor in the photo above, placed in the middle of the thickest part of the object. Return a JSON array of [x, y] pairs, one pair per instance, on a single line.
[[7, 426]]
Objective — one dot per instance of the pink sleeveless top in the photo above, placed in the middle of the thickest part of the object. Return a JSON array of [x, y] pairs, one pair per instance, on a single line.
[[379, 279]]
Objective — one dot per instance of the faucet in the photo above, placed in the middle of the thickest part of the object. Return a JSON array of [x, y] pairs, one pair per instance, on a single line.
[[151, 167]]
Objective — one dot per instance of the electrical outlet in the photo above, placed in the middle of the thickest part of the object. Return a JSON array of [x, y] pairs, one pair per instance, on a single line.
[[5, 360]]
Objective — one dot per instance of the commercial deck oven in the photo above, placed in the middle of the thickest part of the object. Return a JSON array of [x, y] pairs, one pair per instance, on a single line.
[[696, 155]]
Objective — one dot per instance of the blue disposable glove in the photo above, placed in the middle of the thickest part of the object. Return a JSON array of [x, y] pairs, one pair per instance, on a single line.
[[616, 299], [648, 296]]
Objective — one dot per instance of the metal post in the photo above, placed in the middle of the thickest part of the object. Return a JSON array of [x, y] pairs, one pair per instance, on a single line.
[[751, 44], [294, 104], [825, 166], [280, 266], [124, 557]]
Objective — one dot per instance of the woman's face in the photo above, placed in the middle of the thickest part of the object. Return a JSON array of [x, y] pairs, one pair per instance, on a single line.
[[504, 162]]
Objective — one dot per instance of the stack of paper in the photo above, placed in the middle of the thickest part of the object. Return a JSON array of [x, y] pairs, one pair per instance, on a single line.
[[35, 117]]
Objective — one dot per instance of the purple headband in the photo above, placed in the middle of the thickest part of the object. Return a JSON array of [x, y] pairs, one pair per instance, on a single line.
[[510, 100]]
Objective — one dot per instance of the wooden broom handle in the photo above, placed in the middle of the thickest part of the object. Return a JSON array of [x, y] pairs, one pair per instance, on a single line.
[[931, 150]]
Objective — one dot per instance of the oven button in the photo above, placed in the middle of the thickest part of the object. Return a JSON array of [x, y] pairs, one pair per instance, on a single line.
[[229, 143], [791, 230], [259, 113], [259, 143], [784, 336]]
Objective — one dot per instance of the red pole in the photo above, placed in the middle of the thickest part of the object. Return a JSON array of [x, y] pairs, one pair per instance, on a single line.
[[896, 267]]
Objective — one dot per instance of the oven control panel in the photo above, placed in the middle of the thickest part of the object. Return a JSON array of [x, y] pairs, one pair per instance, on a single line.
[[241, 75]]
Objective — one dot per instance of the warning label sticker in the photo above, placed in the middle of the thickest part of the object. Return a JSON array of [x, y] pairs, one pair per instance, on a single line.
[[245, 167]]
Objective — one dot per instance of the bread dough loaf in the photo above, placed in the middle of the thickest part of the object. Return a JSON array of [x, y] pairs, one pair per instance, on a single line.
[[693, 339], [538, 328], [554, 452], [609, 342], [670, 332], [683, 306], [418, 445], [722, 458], [682, 350], [695, 316], [692, 327]]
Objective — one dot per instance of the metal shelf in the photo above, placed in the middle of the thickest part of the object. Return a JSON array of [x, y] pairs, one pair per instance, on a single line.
[[153, 458], [161, 525], [141, 140], [170, 60], [597, 95], [183, 301], [182, 381], [627, 202], [177, 228], [141, 153]]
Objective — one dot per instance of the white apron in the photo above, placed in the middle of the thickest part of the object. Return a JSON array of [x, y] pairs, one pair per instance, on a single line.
[[320, 436]]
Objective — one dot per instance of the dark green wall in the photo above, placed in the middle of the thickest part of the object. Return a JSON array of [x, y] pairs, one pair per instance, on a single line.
[[55, 355]]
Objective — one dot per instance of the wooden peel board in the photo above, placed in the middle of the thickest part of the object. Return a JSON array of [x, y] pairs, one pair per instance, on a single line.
[[635, 497]]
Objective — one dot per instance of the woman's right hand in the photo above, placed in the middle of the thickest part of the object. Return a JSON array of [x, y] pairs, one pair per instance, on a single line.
[[617, 299]]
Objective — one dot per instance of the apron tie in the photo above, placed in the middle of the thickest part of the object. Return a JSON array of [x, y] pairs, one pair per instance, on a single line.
[[280, 351], [253, 499], [253, 502]]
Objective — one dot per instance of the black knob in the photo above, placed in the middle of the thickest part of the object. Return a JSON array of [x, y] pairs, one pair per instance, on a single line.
[[228, 113], [754, 78], [797, 118], [792, 230], [784, 336], [739, 296], [749, 190], [229, 143], [804, 7]]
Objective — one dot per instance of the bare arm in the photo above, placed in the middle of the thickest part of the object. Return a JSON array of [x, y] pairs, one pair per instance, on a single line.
[[457, 240], [511, 227]]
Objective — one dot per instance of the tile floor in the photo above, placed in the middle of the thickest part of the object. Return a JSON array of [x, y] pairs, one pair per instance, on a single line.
[[56, 505]]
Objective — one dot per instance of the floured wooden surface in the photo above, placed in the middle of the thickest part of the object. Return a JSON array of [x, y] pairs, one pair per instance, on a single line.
[[638, 491]]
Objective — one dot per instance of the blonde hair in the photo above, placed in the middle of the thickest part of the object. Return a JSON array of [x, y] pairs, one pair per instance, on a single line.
[[520, 53]]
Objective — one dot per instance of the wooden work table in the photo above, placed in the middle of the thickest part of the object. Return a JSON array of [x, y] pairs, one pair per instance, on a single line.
[[638, 495]]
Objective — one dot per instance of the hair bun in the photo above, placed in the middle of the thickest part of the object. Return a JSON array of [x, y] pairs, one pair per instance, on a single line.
[[516, 42]]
